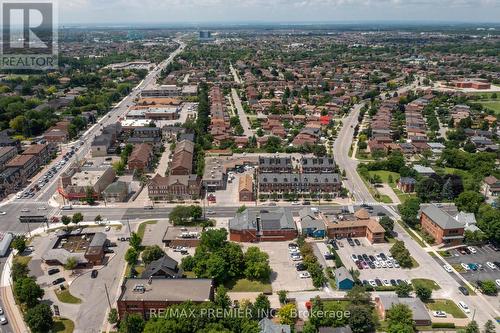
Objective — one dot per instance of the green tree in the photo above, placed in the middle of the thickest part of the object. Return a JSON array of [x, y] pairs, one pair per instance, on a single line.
[[39, 318], [241, 209], [65, 220], [131, 256], [152, 253], [472, 327], [256, 264], [221, 298], [423, 292], [132, 323], [28, 292], [403, 290], [361, 319], [77, 218], [409, 210], [488, 287], [71, 263], [358, 296], [469, 201], [18, 270], [19, 243], [213, 239], [282, 294], [89, 195], [489, 327], [288, 314], [400, 316], [309, 328], [388, 224], [261, 306], [113, 316], [135, 241]]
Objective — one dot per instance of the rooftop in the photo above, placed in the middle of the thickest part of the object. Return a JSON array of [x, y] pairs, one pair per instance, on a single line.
[[171, 290]]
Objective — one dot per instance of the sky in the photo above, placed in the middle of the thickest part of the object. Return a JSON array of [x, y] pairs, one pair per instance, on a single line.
[[244, 11]]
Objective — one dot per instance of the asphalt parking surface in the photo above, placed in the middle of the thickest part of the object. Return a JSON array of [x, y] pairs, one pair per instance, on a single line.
[[484, 254]]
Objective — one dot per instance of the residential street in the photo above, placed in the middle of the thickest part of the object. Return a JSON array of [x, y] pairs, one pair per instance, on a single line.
[[247, 131]]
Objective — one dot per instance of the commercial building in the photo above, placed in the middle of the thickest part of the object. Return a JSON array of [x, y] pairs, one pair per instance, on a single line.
[[116, 192], [359, 225], [150, 297], [6, 154], [262, 225], [312, 225], [214, 175], [441, 226], [141, 158], [86, 248], [161, 91], [40, 151], [182, 158], [299, 182], [28, 165], [172, 187], [76, 182]]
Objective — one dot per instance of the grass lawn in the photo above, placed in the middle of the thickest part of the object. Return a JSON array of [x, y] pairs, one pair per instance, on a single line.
[[445, 254], [66, 297], [384, 175], [23, 259], [411, 233], [447, 306], [244, 285], [63, 325], [142, 227], [458, 268], [427, 283], [492, 105]]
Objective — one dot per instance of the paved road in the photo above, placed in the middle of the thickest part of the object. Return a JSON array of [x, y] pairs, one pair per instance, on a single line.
[[9, 221], [247, 130]]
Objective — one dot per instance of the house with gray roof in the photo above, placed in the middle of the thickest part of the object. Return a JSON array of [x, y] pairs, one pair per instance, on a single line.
[[165, 267], [262, 225], [385, 301], [311, 225], [442, 226], [343, 279], [266, 325]]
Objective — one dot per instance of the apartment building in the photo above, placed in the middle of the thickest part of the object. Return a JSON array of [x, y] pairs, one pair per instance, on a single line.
[[443, 227]]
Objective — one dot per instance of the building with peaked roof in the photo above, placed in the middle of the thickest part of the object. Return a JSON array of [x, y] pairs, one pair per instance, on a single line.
[[311, 224], [262, 225], [440, 225], [173, 187], [384, 302], [245, 188], [116, 192], [141, 157], [343, 279], [163, 268], [266, 325], [360, 225]]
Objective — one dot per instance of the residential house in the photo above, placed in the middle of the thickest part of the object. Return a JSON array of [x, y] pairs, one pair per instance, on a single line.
[[245, 188], [441, 226], [423, 170], [298, 182], [163, 268], [491, 186], [40, 151], [275, 164], [266, 325], [311, 224], [11, 180], [343, 279], [406, 184], [6, 154], [28, 164], [317, 165], [141, 158], [384, 302]]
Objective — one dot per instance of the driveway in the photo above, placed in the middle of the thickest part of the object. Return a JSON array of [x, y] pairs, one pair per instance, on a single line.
[[284, 275]]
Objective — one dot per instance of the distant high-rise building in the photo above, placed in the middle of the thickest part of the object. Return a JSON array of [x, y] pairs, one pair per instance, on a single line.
[[205, 36]]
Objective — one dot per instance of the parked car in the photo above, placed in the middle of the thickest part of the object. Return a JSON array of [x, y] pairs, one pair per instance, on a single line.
[[491, 265], [334, 245], [464, 307], [304, 275], [53, 271], [296, 257], [58, 280], [372, 283], [473, 266], [447, 268], [94, 273], [378, 282], [386, 282], [358, 243], [463, 290], [300, 267], [497, 281], [3, 320], [471, 249], [439, 314], [354, 257], [180, 248], [465, 266]]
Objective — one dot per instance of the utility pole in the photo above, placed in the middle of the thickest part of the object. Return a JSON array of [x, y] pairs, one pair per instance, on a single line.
[[129, 230]]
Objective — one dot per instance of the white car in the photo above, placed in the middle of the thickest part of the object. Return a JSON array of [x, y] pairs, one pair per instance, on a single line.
[[377, 264], [378, 257], [465, 266], [295, 203], [372, 283], [42, 208], [354, 257], [395, 263], [3, 320], [293, 250], [1, 311], [304, 275], [180, 249], [497, 281], [389, 264], [25, 210], [107, 228], [3, 213], [386, 283], [439, 314], [491, 265], [296, 257], [471, 249], [447, 268], [383, 264], [464, 307]]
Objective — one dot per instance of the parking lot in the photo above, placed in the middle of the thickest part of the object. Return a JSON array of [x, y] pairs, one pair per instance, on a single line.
[[483, 255], [372, 251], [284, 275]]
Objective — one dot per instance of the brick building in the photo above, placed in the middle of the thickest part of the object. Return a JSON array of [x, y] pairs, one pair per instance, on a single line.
[[245, 188], [444, 228]]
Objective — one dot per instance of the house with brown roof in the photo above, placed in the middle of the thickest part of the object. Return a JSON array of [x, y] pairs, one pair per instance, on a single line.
[[141, 157], [182, 158], [6, 154], [491, 186], [245, 188]]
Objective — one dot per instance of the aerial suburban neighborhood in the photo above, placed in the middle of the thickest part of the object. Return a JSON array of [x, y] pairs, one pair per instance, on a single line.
[[253, 178]]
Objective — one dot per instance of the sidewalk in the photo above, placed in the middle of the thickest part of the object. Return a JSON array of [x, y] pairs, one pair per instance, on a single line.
[[14, 315]]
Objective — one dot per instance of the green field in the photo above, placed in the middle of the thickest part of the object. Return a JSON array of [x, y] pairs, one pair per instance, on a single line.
[[384, 175], [427, 283], [142, 227], [447, 306], [244, 285], [63, 325], [66, 297], [492, 105]]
